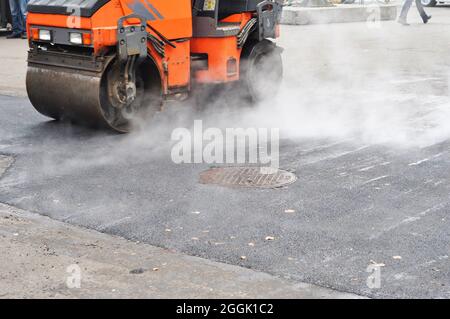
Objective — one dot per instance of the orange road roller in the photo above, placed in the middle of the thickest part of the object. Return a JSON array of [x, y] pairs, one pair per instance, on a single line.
[[107, 63]]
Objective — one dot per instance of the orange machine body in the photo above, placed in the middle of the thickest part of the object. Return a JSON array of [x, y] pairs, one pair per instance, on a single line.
[[220, 50], [175, 24], [174, 20], [113, 63]]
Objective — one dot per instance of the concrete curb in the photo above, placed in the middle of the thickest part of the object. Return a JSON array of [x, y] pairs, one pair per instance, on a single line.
[[337, 14]]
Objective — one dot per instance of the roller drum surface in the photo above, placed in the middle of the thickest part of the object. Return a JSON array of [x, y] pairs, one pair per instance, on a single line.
[[67, 94]]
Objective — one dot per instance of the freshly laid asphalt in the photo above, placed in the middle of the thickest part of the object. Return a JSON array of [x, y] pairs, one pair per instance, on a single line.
[[375, 192]]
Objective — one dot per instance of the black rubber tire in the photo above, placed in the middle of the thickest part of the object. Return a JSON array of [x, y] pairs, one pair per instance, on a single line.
[[261, 70], [147, 103], [429, 3]]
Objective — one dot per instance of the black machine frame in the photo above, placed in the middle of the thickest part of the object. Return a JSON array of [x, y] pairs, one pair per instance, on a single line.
[[208, 13]]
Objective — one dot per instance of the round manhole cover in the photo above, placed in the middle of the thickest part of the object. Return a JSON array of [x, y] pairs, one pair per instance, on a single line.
[[263, 177]]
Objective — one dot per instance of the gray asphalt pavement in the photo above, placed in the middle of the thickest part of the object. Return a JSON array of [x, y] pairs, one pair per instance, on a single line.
[[365, 126]]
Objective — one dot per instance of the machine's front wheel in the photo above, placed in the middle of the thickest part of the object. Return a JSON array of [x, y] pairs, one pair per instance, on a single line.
[[261, 70], [123, 116]]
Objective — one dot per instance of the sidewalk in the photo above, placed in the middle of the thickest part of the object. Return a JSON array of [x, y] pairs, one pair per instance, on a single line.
[[339, 13], [13, 67], [37, 253]]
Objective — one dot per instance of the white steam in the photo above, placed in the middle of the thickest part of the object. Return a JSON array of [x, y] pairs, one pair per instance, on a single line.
[[343, 81], [386, 85]]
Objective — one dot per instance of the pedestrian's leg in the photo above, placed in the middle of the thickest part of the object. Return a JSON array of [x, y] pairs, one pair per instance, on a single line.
[[15, 17], [23, 15], [405, 9], [422, 12], [404, 13]]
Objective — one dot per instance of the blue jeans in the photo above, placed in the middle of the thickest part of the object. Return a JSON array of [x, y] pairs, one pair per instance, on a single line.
[[19, 15]]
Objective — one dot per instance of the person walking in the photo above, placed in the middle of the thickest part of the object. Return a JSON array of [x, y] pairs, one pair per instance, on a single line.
[[19, 18], [405, 9]]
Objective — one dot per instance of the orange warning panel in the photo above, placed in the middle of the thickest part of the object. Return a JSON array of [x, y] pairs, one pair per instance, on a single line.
[[178, 64], [223, 59]]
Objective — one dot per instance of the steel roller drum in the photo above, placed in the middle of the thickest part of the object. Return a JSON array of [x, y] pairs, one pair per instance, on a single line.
[[67, 94]]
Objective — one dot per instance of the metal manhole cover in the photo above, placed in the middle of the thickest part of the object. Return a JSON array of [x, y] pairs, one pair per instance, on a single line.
[[247, 177]]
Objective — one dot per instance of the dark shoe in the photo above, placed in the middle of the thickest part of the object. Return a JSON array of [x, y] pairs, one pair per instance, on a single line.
[[14, 36], [402, 21], [426, 19], [24, 35]]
